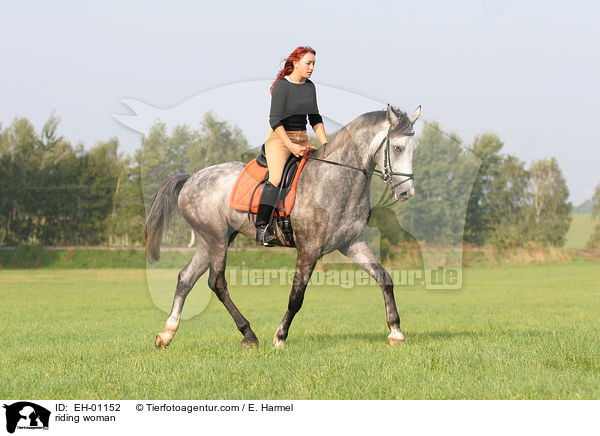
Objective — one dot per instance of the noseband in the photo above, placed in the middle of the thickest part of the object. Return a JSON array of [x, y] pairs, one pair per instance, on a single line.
[[387, 173]]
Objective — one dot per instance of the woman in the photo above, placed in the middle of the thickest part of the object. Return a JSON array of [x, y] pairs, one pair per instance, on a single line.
[[293, 98]]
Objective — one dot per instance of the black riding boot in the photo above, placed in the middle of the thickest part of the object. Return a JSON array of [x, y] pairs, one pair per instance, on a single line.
[[265, 233]]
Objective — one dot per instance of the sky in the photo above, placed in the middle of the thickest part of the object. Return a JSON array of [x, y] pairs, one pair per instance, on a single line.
[[527, 71]]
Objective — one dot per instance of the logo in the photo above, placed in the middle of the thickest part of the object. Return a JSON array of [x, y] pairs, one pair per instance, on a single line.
[[26, 415]]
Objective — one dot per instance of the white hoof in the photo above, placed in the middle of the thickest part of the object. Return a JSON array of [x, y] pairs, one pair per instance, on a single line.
[[395, 338], [163, 340], [278, 343]]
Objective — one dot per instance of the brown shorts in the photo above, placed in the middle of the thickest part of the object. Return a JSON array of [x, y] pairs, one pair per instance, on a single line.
[[277, 153]]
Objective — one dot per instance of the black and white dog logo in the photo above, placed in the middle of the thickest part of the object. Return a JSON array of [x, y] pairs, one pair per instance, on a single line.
[[26, 415]]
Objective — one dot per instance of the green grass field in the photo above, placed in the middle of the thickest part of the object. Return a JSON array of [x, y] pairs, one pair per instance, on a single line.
[[582, 227], [527, 332]]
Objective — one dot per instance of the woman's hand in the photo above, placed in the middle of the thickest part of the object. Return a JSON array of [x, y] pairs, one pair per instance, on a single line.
[[297, 150]]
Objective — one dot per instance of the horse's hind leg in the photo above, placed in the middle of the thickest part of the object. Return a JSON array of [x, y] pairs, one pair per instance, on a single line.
[[217, 282], [362, 255], [185, 281]]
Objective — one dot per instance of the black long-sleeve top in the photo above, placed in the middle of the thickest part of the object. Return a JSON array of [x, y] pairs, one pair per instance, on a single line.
[[291, 103]]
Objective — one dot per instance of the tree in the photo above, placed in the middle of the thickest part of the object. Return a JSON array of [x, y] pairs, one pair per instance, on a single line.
[[155, 166], [511, 205], [128, 218], [3, 142], [48, 139], [52, 183], [17, 167], [594, 241], [508, 203], [551, 212], [481, 216], [217, 142], [102, 168]]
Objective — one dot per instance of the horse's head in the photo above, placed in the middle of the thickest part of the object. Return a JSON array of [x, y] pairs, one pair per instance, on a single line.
[[395, 152]]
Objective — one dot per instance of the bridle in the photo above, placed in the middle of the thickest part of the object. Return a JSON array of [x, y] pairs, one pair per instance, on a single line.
[[387, 173]]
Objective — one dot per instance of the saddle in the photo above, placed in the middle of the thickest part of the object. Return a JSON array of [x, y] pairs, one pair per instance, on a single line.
[[246, 193]]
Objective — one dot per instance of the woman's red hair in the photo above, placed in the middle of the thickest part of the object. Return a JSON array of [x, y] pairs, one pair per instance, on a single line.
[[288, 67]]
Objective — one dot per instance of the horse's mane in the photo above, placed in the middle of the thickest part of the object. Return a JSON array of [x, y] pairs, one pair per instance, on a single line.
[[347, 135]]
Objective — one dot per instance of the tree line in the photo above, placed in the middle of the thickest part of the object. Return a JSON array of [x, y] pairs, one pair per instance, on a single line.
[[477, 195], [56, 193], [53, 192], [512, 205]]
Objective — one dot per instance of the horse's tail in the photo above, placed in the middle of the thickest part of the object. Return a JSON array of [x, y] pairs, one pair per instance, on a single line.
[[161, 212]]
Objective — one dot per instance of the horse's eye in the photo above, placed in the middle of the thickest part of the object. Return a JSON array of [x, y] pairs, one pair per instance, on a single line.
[[399, 148]]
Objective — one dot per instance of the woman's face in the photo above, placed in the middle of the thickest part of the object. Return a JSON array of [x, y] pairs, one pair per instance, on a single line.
[[305, 66]]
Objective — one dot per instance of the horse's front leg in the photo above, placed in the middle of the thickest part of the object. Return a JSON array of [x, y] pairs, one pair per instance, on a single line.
[[361, 254], [305, 264]]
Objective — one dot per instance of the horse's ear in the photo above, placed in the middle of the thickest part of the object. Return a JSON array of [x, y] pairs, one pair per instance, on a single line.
[[414, 117], [391, 115]]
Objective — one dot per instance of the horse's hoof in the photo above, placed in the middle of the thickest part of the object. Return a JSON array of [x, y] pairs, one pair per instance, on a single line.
[[249, 344], [395, 337], [278, 343], [162, 340], [395, 341]]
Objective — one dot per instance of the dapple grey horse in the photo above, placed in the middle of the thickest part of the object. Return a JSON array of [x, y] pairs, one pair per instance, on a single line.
[[330, 212]]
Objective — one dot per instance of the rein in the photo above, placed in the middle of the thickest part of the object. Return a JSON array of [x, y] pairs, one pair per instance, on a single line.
[[387, 173]]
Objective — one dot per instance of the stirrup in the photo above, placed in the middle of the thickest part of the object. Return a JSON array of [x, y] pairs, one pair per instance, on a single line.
[[264, 236]]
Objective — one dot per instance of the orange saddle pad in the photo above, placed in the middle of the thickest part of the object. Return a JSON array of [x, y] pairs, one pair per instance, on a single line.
[[246, 195]]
